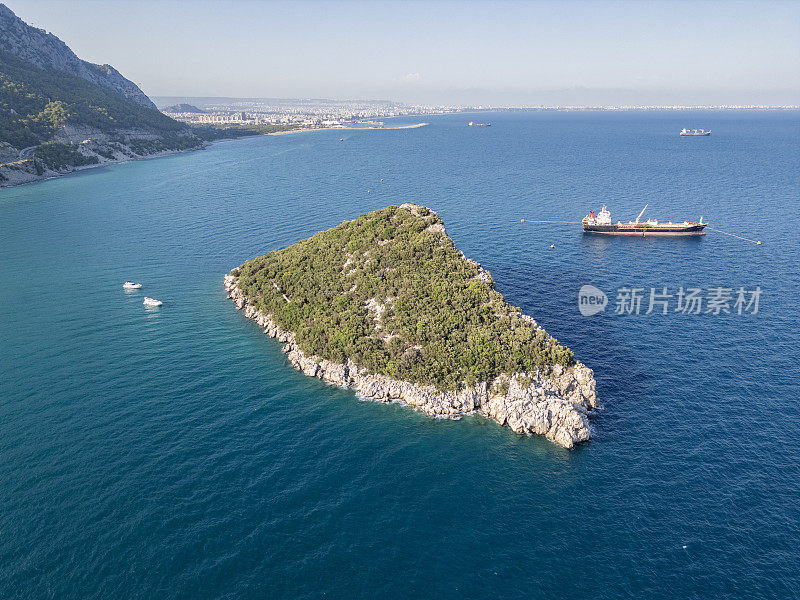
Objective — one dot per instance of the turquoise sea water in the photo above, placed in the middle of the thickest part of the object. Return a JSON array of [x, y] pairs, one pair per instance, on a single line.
[[173, 453]]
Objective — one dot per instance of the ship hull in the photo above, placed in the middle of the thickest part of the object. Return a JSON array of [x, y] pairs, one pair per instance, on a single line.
[[641, 229]]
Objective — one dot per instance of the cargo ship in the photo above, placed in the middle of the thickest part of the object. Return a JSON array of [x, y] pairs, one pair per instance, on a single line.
[[695, 132], [472, 124], [601, 223]]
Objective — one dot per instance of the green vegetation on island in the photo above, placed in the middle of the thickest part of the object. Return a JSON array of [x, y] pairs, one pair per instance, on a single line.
[[391, 292]]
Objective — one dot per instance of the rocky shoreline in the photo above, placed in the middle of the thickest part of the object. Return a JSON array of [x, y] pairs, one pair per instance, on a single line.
[[557, 406], [23, 172]]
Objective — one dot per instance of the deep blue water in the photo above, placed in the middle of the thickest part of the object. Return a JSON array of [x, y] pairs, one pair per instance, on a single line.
[[172, 453]]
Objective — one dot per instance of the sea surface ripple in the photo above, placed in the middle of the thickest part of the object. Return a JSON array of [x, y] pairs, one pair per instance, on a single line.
[[173, 453]]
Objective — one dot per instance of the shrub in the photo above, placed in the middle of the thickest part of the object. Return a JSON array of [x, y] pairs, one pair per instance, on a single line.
[[501, 388]]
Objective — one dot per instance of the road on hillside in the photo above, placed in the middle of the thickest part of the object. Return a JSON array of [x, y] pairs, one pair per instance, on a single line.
[[26, 152]]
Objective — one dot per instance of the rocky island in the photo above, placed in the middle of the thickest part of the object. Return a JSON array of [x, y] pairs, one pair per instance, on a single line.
[[388, 306]]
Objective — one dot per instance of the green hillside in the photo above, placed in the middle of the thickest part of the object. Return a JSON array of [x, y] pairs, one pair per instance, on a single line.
[[391, 292], [35, 102]]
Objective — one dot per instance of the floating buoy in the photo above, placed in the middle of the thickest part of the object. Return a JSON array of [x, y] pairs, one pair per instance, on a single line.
[[758, 243], [552, 245], [381, 178], [522, 220], [368, 191]]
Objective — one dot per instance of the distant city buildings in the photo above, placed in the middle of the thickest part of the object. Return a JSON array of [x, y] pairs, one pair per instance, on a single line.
[[333, 113], [306, 113]]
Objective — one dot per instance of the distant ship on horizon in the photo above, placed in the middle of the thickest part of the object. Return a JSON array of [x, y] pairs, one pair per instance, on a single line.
[[473, 124], [695, 132]]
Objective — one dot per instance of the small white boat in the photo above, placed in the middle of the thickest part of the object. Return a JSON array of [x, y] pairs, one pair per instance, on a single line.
[[151, 302], [129, 285], [685, 132]]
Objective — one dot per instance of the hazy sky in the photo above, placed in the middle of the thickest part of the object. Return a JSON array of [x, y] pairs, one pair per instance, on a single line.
[[443, 52]]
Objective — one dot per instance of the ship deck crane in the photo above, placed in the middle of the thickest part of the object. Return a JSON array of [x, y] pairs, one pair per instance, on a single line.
[[641, 213]]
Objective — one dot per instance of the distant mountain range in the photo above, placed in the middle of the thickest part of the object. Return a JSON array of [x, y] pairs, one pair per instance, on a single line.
[[214, 102], [58, 112], [183, 108]]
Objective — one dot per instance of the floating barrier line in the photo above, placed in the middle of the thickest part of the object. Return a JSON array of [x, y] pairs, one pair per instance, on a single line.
[[758, 242], [568, 222]]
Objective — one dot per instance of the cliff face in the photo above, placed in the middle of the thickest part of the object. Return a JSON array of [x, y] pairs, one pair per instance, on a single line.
[[539, 390], [46, 51]]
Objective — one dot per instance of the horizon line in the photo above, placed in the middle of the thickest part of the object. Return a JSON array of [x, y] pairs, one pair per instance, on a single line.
[[490, 106]]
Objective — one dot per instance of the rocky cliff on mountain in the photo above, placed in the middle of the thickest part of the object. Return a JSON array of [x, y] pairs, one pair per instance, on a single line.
[[45, 51]]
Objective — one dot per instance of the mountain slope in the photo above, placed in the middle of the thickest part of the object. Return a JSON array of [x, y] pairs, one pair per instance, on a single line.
[[35, 103], [46, 51], [58, 112]]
